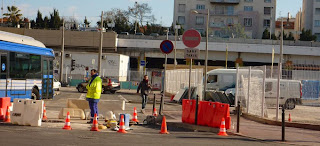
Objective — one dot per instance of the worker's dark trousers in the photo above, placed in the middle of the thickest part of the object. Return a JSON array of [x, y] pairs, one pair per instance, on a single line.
[[93, 104]]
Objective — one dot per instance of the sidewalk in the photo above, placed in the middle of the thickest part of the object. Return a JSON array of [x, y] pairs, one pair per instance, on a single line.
[[254, 130]]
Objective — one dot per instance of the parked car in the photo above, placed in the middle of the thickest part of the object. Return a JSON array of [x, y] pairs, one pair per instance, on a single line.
[[154, 34], [56, 85], [124, 33], [139, 33], [108, 85]]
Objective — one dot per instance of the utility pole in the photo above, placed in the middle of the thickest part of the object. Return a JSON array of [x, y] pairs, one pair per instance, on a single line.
[[206, 57], [136, 13], [279, 70], [62, 54], [2, 13], [271, 22], [101, 43], [175, 45]]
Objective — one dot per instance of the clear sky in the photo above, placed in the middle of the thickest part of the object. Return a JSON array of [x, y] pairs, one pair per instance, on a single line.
[[162, 9]]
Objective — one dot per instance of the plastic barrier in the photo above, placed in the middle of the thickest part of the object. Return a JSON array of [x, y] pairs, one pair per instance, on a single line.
[[222, 111], [206, 112], [4, 102], [188, 111], [33, 113], [18, 111]]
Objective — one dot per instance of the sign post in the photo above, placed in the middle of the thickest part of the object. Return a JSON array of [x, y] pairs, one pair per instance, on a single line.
[[166, 47], [191, 38]]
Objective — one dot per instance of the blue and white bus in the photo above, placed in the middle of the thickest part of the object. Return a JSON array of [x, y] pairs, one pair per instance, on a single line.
[[26, 67]]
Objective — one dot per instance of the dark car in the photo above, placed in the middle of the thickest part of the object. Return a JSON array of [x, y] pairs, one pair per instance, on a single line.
[[108, 85]]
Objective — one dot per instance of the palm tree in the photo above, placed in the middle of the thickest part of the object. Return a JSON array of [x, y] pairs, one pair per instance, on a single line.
[[13, 15]]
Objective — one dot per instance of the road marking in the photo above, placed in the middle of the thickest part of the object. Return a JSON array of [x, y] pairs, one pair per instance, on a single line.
[[121, 97]]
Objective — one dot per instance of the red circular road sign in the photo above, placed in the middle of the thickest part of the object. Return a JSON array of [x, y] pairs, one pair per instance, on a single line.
[[191, 38], [166, 46]]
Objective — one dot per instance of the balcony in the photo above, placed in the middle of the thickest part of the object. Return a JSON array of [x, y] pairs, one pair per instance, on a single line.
[[223, 13], [225, 1]]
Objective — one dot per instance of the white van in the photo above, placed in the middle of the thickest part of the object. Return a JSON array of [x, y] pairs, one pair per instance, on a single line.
[[225, 80]]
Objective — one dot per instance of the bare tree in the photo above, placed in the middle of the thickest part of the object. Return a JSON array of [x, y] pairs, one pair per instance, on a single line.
[[141, 12]]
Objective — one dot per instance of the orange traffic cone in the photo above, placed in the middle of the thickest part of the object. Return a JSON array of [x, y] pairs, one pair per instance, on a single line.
[[7, 119], [95, 124], [155, 112], [44, 117], [164, 126], [122, 127], [67, 125], [135, 115], [223, 131], [289, 118]]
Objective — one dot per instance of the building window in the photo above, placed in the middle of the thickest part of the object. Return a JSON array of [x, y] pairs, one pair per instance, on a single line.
[[247, 22], [201, 7], [230, 10], [201, 31], [248, 8], [182, 7], [317, 11], [267, 10], [266, 22], [181, 20], [317, 0], [219, 10], [248, 0], [230, 21], [317, 23], [199, 20], [267, 1]]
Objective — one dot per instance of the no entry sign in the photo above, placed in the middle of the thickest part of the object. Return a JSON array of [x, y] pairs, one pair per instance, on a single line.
[[191, 38], [166, 46]]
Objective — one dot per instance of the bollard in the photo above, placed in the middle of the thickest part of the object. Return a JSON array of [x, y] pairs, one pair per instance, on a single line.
[[238, 117], [283, 124], [196, 114], [154, 101], [160, 109]]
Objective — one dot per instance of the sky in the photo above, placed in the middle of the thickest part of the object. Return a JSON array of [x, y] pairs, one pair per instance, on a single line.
[[78, 9]]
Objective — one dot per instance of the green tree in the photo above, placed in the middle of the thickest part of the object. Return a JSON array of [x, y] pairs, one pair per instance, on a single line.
[[266, 34], [13, 15], [39, 20], [55, 20], [46, 22], [306, 35], [236, 31], [289, 37], [86, 22]]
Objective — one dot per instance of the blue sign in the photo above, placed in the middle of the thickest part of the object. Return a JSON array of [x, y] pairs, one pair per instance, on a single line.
[[3, 67], [143, 63], [166, 46]]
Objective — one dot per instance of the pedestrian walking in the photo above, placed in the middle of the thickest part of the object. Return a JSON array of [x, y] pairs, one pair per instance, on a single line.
[[94, 88], [144, 87]]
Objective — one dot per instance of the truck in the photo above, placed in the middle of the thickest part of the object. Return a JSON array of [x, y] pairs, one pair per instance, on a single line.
[[225, 80]]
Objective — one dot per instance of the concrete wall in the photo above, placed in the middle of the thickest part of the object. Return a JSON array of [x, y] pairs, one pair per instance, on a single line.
[[52, 38]]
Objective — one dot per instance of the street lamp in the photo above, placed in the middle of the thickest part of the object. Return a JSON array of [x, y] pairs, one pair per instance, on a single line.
[[206, 56]]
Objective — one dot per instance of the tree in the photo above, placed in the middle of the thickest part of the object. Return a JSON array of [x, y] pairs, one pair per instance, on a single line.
[[140, 12], [39, 20], [119, 17], [306, 35], [46, 22], [86, 22], [235, 31], [266, 34], [289, 37], [55, 20], [13, 15]]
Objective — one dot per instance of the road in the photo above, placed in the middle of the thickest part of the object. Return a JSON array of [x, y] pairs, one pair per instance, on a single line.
[[52, 133]]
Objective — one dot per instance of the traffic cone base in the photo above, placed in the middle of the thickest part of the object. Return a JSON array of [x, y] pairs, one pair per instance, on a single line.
[[67, 125], [135, 115], [289, 118], [7, 118], [223, 131], [122, 127], [95, 124], [164, 126]]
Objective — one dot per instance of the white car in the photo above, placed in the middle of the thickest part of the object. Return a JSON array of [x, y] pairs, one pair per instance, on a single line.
[[56, 85]]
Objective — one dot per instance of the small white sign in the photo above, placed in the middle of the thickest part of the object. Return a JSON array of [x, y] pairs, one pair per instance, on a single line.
[[93, 61], [191, 53], [177, 27]]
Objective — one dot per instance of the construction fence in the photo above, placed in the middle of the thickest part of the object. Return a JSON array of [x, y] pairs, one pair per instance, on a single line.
[[257, 89]]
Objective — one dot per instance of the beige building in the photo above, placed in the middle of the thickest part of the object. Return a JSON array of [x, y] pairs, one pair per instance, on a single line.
[[311, 16], [254, 15]]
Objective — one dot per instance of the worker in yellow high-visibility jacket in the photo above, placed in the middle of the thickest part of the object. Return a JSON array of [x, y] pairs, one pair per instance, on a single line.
[[94, 88]]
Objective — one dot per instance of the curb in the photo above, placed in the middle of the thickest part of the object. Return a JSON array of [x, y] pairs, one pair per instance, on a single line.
[[194, 127], [278, 123]]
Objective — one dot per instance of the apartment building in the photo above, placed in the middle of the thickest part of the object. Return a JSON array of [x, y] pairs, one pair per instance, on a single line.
[[254, 15], [311, 16]]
